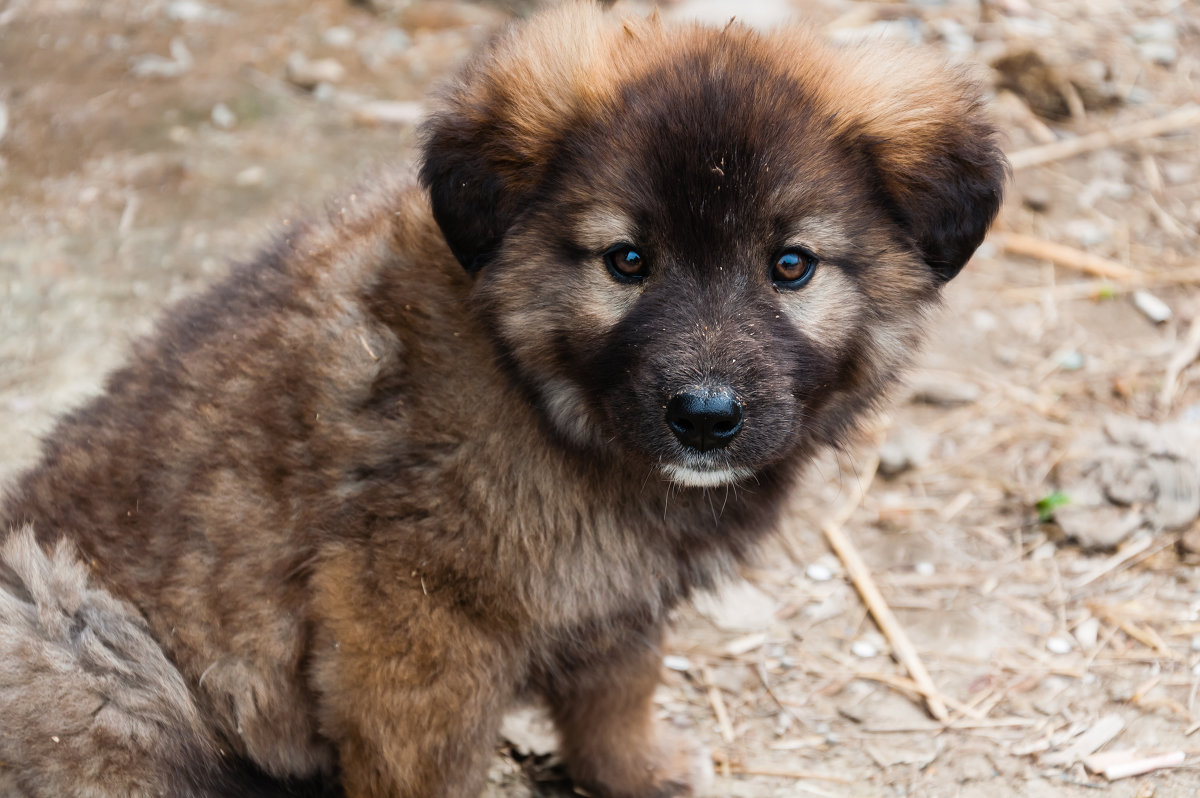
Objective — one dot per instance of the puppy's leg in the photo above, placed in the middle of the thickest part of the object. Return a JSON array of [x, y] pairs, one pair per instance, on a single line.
[[411, 689], [613, 743], [89, 704]]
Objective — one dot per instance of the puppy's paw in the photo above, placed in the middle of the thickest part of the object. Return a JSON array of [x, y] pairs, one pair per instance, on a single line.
[[678, 766], [687, 765]]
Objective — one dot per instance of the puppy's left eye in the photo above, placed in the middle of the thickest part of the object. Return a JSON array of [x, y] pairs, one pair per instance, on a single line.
[[625, 263], [793, 268]]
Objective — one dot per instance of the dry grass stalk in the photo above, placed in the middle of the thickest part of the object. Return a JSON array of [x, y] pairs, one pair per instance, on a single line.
[[1183, 357], [860, 575], [718, 708], [788, 774], [1068, 257], [1180, 119]]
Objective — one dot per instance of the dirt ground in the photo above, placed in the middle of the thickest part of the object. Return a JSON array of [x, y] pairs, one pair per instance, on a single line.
[[146, 144]]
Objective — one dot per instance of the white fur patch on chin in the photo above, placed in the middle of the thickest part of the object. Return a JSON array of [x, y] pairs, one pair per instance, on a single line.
[[706, 478]]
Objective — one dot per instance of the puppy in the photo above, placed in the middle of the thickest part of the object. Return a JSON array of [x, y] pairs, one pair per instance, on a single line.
[[466, 441]]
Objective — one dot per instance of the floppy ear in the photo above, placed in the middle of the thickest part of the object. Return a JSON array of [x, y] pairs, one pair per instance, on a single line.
[[474, 200], [491, 132], [923, 126]]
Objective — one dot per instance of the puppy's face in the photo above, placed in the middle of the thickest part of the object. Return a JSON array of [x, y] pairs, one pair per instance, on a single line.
[[708, 249]]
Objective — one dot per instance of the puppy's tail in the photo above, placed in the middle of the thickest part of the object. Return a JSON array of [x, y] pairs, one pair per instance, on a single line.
[[89, 703]]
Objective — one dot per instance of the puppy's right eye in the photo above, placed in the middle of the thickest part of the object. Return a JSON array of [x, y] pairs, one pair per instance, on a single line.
[[625, 263]]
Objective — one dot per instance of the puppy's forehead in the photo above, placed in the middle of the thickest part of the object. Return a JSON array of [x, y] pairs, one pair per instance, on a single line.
[[718, 134]]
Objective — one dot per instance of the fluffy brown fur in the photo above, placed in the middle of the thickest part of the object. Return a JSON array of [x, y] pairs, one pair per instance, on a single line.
[[352, 503]]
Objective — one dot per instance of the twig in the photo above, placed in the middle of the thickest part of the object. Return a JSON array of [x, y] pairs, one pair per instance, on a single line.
[[1182, 358], [1068, 257], [1148, 128], [860, 575], [718, 707], [911, 686], [1123, 555], [789, 774]]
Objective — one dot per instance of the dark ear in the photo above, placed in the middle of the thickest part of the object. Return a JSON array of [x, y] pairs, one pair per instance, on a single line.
[[472, 203], [490, 134], [948, 196], [923, 127]]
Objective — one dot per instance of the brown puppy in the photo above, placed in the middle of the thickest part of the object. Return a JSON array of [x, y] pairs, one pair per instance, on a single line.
[[352, 503]]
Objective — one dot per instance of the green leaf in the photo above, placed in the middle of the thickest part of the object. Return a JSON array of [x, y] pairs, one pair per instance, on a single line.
[[1048, 504]]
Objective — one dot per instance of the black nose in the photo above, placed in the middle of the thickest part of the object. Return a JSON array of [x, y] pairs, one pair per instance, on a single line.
[[704, 419]]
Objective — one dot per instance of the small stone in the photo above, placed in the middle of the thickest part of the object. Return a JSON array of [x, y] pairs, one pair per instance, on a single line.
[[1036, 198], [924, 568], [250, 176], [529, 731], [675, 662], [945, 392], [1059, 645], [193, 11], [3, 119], [338, 36], [864, 649], [1087, 633], [156, 66], [223, 117], [1159, 53], [307, 74], [1155, 30], [738, 607], [1071, 360], [907, 447], [389, 112], [1151, 306], [818, 572]]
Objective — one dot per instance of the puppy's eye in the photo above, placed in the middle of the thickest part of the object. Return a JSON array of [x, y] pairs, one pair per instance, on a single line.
[[793, 268], [625, 263]]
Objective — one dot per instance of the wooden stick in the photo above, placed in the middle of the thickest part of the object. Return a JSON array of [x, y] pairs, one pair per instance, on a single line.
[[1179, 119], [1068, 257], [718, 707], [860, 575], [1182, 358], [789, 774]]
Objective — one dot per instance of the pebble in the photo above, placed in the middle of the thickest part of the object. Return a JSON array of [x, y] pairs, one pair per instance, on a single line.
[[223, 117], [738, 607], [193, 11], [1159, 53], [1071, 360], [864, 649], [1151, 306], [389, 112], [907, 447], [1059, 645], [675, 662], [924, 568], [1087, 633], [151, 65], [338, 36], [945, 392], [1155, 30], [307, 73], [818, 572], [250, 176], [3, 119]]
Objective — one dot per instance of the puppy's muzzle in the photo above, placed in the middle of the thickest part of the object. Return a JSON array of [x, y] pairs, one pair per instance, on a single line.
[[704, 418]]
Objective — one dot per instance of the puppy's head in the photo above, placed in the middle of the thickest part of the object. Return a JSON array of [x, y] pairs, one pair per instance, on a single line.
[[707, 249]]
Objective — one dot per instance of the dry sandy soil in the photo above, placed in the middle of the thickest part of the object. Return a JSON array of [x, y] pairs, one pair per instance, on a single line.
[[146, 144]]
